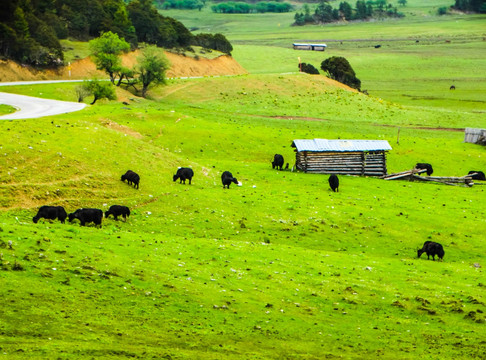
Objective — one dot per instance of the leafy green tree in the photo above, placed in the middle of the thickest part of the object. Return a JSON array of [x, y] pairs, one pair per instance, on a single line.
[[338, 68], [307, 15], [346, 10], [324, 12], [299, 19], [106, 51], [309, 69], [402, 2], [361, 10], [213, 41], [21, 25], [152, 65], [99, 89]]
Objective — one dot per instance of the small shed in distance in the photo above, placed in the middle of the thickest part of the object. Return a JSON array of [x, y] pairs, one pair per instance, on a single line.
[[475, 136], [347, 157], [315, 47]]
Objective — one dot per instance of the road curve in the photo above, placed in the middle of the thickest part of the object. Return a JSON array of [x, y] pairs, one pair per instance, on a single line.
[[32, 107]]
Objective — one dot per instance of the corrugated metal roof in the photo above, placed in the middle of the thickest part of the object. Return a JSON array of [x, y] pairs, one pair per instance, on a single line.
[[325, 145]]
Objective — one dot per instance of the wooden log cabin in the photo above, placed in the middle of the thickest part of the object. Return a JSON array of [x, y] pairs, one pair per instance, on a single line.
[[346, 157]]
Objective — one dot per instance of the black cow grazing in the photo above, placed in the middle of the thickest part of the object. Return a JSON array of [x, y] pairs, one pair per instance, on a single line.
[[431, 249], [479, 175], [51, 213], [118, 210], [425, 166], [87, 215], [132, 178], [334, 182], [453, 87], [377, 46], [184, 174], [277, 162], [227, 178]]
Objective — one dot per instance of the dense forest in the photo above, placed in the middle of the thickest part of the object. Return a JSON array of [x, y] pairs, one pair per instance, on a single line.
[[30, 30]]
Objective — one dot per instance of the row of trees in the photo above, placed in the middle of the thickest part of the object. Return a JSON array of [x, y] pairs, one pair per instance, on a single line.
[[325, 13], [337, 68], [30, 29], [182, 4], [233, 7], [478, 6]]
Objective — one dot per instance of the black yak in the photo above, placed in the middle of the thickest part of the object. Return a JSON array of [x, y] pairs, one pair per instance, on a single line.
[[131, 177], [227, 178], [51, 213], [278, 161], [479, 175], [425, 166], [118, 210], [183, 174], [431, 249], [86, 216], [334, 182]]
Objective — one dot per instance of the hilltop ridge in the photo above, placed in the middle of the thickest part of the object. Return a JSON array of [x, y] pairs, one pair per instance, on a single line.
[[181, 66]]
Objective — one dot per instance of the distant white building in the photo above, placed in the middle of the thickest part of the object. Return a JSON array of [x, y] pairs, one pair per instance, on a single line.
[[315, 47]]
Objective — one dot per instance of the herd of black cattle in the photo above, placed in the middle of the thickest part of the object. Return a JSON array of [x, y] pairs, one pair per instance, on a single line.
[[91, 215]]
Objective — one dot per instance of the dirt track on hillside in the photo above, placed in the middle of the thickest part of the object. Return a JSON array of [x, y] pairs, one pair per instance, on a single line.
[[181, 66]]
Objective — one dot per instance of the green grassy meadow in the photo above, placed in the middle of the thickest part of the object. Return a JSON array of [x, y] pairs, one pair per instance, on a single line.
[[277, 268]]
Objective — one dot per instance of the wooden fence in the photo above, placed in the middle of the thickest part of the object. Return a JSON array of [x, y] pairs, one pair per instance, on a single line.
[[412, 175]]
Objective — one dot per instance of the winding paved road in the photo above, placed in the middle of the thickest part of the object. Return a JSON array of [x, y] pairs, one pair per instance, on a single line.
[[32, 107]]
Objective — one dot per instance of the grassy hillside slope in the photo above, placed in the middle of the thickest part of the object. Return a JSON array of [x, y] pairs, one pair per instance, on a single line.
[[280, 267]]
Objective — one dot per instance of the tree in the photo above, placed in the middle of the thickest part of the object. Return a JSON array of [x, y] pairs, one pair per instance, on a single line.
[[307, 15], [309, 69], [323, 12], [338, 68], [99, 89], [106, 51], [402, 2], [346, 10], [152, 65]]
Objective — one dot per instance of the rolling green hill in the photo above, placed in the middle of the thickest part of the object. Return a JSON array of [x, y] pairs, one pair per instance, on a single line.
[[277, 268]]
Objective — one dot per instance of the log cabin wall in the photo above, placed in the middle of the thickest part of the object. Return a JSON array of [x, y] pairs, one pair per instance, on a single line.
[[362, 163]]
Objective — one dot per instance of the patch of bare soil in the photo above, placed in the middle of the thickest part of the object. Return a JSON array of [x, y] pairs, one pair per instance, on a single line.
[[121, 128], [181, 66]]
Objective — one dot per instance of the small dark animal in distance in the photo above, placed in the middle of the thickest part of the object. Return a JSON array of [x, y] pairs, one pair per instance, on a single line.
[[425, 166], [131, 178], [50, 213], [118, 210], [431, 249], [227, 178], [183, 174], [377, 46], [278, 161], [478, 175], [334, 182], [453, 87], [86, 216]]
